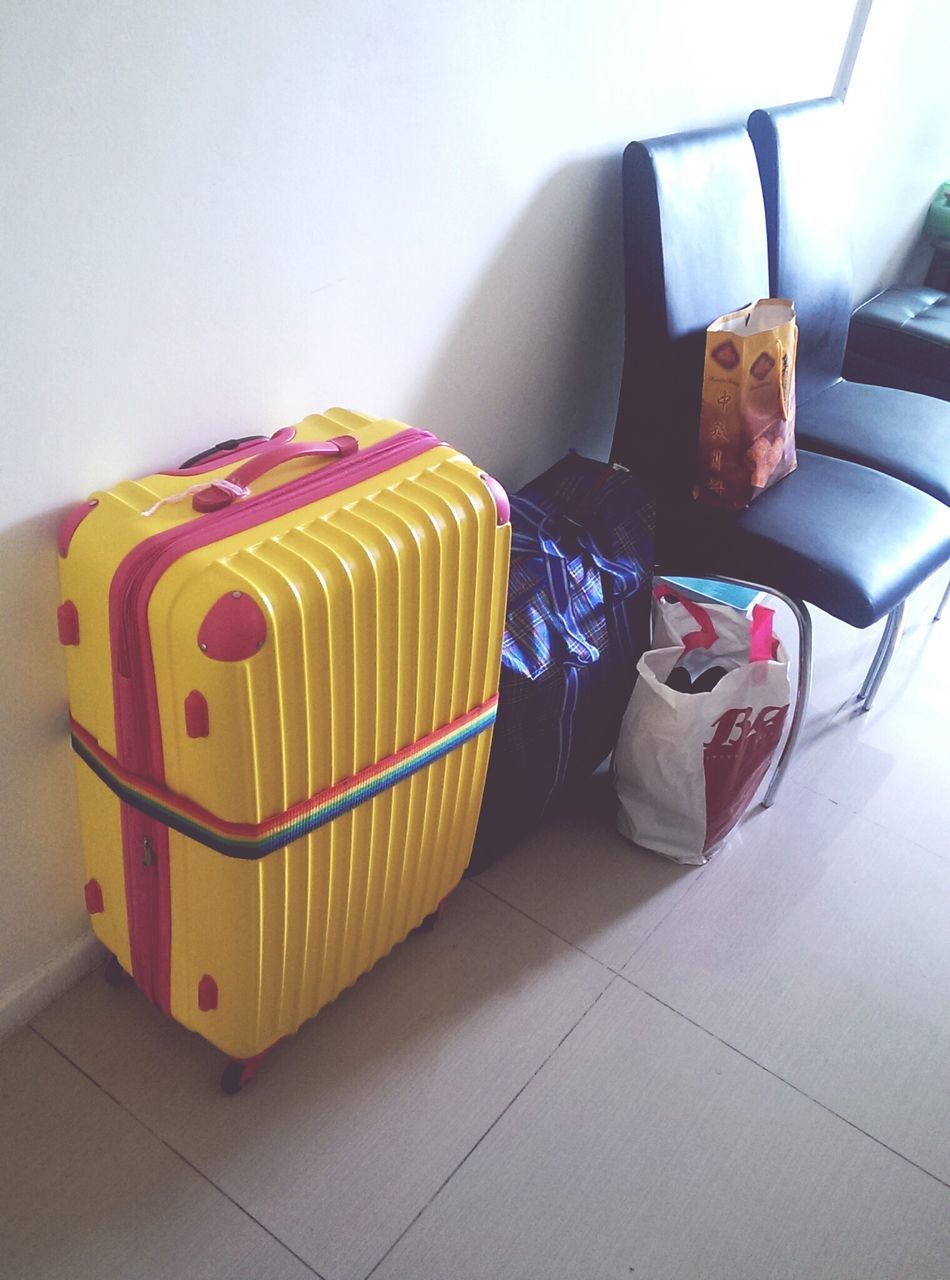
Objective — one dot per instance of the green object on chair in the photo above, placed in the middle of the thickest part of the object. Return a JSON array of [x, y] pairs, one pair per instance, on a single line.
[[937, 225]]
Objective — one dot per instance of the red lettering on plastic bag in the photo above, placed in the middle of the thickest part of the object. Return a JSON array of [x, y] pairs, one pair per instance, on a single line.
[[735, 760]]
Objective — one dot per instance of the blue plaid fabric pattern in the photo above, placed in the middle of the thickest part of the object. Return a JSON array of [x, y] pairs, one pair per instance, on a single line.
[[577, 622], [536, 629]]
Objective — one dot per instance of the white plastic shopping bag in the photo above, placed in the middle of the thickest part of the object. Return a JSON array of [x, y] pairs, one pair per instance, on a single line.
[[692, 752]]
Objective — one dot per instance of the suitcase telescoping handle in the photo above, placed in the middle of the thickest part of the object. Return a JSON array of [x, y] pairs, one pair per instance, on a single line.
[[214, 497]]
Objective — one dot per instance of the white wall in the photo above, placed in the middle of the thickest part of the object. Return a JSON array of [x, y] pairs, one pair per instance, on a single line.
[[220, 215], [898, 108]]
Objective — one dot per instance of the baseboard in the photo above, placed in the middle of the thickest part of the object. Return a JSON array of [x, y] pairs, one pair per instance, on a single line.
[[25, 998]]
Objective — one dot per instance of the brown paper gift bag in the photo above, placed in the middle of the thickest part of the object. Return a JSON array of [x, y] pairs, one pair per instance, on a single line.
[[747, 422]]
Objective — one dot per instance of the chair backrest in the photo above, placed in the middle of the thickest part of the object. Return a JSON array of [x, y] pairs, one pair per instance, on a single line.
[[802, 164], [694, 248]]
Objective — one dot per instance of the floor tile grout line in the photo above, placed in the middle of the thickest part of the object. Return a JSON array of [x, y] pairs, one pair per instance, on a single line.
[[875, 822], [534, 1075], [924, 848], [679, 901], [158, 1137], [701, 870], [546, 927], [603, 964], [775, 1075]]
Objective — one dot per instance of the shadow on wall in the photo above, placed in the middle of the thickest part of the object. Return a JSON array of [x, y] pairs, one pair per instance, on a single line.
[[533, 365], [40, 855]]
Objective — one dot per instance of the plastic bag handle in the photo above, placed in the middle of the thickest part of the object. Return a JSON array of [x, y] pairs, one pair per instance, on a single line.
[[760, 634], [212, 498], [706, 635], [761, 640]]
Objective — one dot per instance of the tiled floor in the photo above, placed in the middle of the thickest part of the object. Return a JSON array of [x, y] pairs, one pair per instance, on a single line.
[[600, 1066]]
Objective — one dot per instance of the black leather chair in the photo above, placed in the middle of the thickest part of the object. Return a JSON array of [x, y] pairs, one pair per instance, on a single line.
[[801, 156], [901, 338], [851, 540]]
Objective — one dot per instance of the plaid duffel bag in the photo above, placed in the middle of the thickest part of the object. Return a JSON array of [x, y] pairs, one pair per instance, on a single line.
[[577, 623]]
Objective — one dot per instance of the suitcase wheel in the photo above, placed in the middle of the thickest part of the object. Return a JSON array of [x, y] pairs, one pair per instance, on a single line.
[[240, 1072], [232, 1078], [433, 918], [113, 973]]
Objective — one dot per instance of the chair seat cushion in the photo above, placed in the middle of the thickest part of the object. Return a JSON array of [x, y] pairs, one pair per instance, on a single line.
[[850, 540], [899, 432], [906, 330]]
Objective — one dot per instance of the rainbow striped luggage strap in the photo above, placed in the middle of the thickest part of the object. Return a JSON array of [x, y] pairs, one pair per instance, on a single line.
[[255, 840]]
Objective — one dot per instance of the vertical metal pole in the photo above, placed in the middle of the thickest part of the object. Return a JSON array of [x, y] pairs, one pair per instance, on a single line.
[[879, 655], [940, 606], [895, 625], [852, 46], [802, 616]]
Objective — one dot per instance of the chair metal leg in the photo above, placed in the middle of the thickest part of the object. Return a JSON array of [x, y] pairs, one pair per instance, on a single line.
[[881, 660], [879, 653], [940, 606], [803, 618]]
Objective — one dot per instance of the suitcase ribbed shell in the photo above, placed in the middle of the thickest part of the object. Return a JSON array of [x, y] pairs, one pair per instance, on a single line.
[[381, 610]]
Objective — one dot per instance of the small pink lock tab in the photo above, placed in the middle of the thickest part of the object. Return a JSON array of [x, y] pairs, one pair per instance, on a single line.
[[207, 994], [67, 622], [196, 715]]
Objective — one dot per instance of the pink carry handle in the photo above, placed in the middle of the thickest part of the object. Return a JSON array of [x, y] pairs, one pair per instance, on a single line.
[[218, 455], [213, 498], [761, 642]]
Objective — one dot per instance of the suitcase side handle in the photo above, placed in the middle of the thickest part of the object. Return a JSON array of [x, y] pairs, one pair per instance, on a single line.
[[213, 498]]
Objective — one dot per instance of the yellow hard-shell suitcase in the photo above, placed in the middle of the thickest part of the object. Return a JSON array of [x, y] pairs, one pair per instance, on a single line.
[[283, 669]]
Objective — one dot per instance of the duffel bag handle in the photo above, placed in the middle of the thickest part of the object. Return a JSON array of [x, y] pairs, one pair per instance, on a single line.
[[546, 541], [221, 493], [562, 595], [625, 577]]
